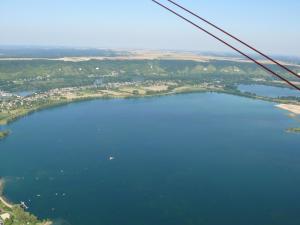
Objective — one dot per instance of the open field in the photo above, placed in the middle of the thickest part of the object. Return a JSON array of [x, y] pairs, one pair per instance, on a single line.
[[148, 55]]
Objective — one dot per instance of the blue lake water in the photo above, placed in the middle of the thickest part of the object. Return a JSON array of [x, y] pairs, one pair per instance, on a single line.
[[269, 91], [25, 93], [183, 160]]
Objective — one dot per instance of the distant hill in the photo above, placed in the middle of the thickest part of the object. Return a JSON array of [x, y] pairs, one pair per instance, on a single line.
[[34, 52]]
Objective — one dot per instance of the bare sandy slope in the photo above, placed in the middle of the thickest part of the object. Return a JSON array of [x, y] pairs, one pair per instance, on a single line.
[[292, 108]]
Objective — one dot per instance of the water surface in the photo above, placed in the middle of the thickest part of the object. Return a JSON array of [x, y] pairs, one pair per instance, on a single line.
[[188, 159], [25, 93], [269, 91]]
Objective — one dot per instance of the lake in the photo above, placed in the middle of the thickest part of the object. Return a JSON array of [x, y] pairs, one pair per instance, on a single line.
[[25, 93], [183, 160], [269, 91]]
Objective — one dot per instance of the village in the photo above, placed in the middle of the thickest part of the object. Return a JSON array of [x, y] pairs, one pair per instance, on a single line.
[[13, 105]]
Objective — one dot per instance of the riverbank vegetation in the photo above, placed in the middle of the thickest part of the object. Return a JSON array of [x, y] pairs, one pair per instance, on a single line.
[[17, 216], [294, 130], [4, 134], [44, 75], [58, 82]]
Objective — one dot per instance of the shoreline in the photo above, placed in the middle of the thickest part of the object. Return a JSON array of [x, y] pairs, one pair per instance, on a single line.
[[287, 105], [4, 134], [16, 211], [290, 107], [65, 102], [2, 199], [5, 202]]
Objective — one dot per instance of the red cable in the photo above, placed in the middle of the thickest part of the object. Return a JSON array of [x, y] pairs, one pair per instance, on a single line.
[[227, 44], [237, 39]]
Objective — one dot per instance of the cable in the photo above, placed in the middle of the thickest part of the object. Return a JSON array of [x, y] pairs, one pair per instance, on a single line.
[[237, 39], [227, 44]]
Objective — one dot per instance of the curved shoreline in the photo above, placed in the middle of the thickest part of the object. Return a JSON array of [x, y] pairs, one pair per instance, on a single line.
[[289, 104], [17, 211], [173, 92], [289, 107], [6, 203], [2, 199]]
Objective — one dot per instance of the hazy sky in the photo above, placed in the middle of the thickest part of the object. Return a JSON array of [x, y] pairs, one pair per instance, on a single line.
[[271, 25]]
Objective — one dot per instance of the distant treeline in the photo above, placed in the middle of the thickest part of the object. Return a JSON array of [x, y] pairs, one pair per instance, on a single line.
[[55, 52], [21, 75]]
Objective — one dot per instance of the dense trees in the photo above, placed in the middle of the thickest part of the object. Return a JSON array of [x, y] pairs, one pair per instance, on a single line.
[[18, 75]]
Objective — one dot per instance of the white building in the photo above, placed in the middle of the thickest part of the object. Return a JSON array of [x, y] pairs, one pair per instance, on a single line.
[[5, 216]]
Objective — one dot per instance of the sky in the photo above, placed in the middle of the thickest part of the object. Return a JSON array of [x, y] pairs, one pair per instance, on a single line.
[[270, 25]]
